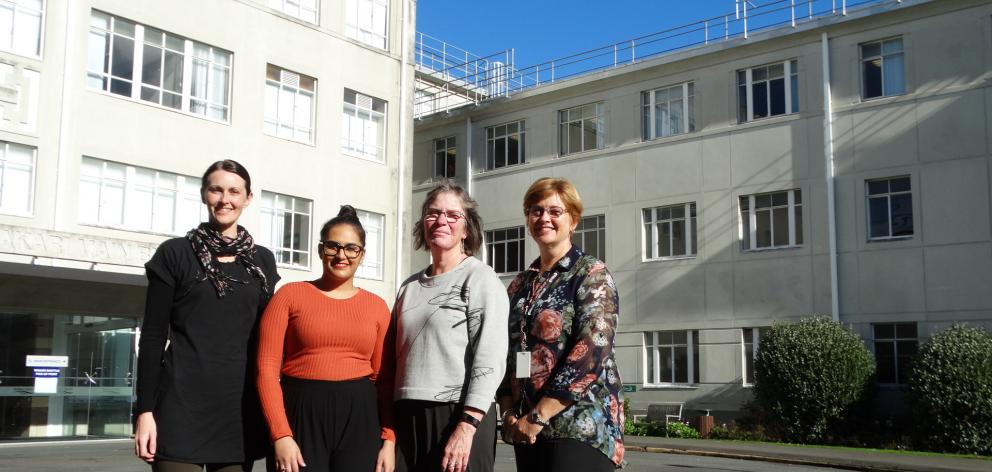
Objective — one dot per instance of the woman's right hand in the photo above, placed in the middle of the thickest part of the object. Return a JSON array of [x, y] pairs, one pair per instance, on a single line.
[[288, 456], [145, 437]]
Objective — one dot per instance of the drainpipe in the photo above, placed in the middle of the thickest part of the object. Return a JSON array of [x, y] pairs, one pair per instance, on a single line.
[[468, 155], [65, 119], [828, 155], [402, 161]]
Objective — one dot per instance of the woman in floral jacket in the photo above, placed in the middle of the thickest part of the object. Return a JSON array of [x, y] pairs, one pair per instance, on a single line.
[[561, 394]]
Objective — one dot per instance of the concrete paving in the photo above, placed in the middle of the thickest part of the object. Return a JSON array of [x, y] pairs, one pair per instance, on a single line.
[[851, 459]]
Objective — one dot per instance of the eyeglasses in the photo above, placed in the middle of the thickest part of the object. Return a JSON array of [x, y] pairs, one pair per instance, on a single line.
[[537, 212], [453, 216], [351, 251]]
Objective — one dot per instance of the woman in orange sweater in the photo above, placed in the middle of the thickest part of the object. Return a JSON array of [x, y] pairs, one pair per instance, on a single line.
[[331, 410]]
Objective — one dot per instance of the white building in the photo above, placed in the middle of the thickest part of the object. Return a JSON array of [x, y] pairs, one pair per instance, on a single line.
[[725, 193], [109, 113]]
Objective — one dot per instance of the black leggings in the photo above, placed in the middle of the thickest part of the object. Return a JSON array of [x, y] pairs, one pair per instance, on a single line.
[[561, 455], [335, 423], [169, 466]]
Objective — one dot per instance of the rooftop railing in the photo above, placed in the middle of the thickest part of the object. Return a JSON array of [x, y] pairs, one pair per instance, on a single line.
[[464, 78]]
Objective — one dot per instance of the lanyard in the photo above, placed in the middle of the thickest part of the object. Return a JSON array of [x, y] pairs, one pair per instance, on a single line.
[[537, 289]]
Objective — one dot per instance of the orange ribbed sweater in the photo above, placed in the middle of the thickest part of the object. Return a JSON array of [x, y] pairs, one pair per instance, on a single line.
[[312, 336]]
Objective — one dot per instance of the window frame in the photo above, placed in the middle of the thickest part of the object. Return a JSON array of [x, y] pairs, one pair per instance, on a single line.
[[271, 214], [375, 270], [653, 348], [790, 76], [748, 231], [649, 108], [188, 100], [895, 340], [285, 6], [565, 123], [285, 81], [755, 346], [862, 59], [690, 229], [16, 7], [491, 244], [492, 138], [888, 198], [581, 230], [448, 151], [355, 110], [357, 32], [32, 169], [186, 190]]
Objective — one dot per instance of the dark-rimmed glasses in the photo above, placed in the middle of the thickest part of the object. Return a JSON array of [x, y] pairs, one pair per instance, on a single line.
[[537, 212], [433, 214], [331, 248]]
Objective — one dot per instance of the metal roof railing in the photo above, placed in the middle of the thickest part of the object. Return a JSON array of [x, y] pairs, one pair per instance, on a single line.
[[462, 78]]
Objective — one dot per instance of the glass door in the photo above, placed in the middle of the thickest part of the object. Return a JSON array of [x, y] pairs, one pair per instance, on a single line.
[[98, 383]]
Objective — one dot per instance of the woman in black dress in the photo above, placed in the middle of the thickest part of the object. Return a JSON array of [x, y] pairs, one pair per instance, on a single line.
[[196, 402]]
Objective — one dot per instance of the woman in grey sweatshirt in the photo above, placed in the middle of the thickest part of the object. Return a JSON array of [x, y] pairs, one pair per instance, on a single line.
[[451, 343]]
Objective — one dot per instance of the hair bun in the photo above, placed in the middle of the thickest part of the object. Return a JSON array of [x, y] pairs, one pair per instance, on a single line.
[[348, 211]]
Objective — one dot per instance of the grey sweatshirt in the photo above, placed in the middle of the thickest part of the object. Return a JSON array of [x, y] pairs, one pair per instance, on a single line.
[[451, 335]]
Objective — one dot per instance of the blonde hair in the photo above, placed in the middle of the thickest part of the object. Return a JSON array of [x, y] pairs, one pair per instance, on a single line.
[[548, 186]]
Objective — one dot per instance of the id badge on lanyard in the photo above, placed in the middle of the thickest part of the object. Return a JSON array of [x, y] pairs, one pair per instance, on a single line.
[[523, 356]]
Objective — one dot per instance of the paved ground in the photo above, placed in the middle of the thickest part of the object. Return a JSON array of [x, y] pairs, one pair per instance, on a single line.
[[117, 456], [644, 454]]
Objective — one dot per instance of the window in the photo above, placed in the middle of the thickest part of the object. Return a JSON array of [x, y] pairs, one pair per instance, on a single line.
[[17, 163], [147, 64], [768, 90], [590, 235], [137, 198], [289, 98], [505, 145], [890, 208], [771, 220], [505, 249], [882, 69], [20, 26], [444, 157], [581, 128], [366, 20], [375, 227], [671, 357], [670, 231], [286, 228], [750, 343], [305, 10], [895, 346], [667, 111], [363, 126]]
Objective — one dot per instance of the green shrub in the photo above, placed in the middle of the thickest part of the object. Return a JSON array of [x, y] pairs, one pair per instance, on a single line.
[[950, 390], [647, 428], [736, 432], [681, 430], [810, 378]]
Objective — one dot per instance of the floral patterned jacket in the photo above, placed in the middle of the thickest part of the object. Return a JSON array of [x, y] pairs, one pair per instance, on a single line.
[[567, 319]]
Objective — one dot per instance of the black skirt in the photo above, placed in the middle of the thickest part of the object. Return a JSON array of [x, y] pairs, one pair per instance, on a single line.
[[422, 431]]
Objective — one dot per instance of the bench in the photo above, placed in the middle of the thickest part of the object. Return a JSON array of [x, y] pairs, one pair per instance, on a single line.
[[665, 411]]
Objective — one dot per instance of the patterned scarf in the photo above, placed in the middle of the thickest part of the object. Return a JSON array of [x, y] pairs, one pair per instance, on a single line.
[[208, 243]]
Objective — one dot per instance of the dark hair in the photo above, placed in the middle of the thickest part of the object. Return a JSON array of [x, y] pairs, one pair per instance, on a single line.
[[346, 216], [473, 222], [228, 165]]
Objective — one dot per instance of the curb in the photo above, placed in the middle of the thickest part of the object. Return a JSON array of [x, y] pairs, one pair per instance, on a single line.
[[755, 457]]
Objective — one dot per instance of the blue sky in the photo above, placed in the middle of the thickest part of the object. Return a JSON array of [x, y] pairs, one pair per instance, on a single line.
[[541, 30]]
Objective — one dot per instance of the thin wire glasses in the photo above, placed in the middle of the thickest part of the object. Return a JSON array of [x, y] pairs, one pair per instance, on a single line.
[[331, 248], [433, 214]]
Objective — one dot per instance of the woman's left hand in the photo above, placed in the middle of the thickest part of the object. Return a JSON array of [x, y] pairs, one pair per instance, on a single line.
[[458, 449], [386, 462], [522, 431]]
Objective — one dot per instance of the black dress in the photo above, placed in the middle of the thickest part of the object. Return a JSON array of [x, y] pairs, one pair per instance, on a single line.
[[202, 389]]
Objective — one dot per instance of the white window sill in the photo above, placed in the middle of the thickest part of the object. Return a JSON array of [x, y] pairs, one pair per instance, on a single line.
[[767, 249], [889, 238], [364, 157], [670, 387], [163, 108], [133, 230], [297, 141], [672, 258]]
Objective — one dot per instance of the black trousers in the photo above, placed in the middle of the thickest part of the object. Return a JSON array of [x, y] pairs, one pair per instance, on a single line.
[[335, 423], [422, 431], [561, 455], [170, 466]]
